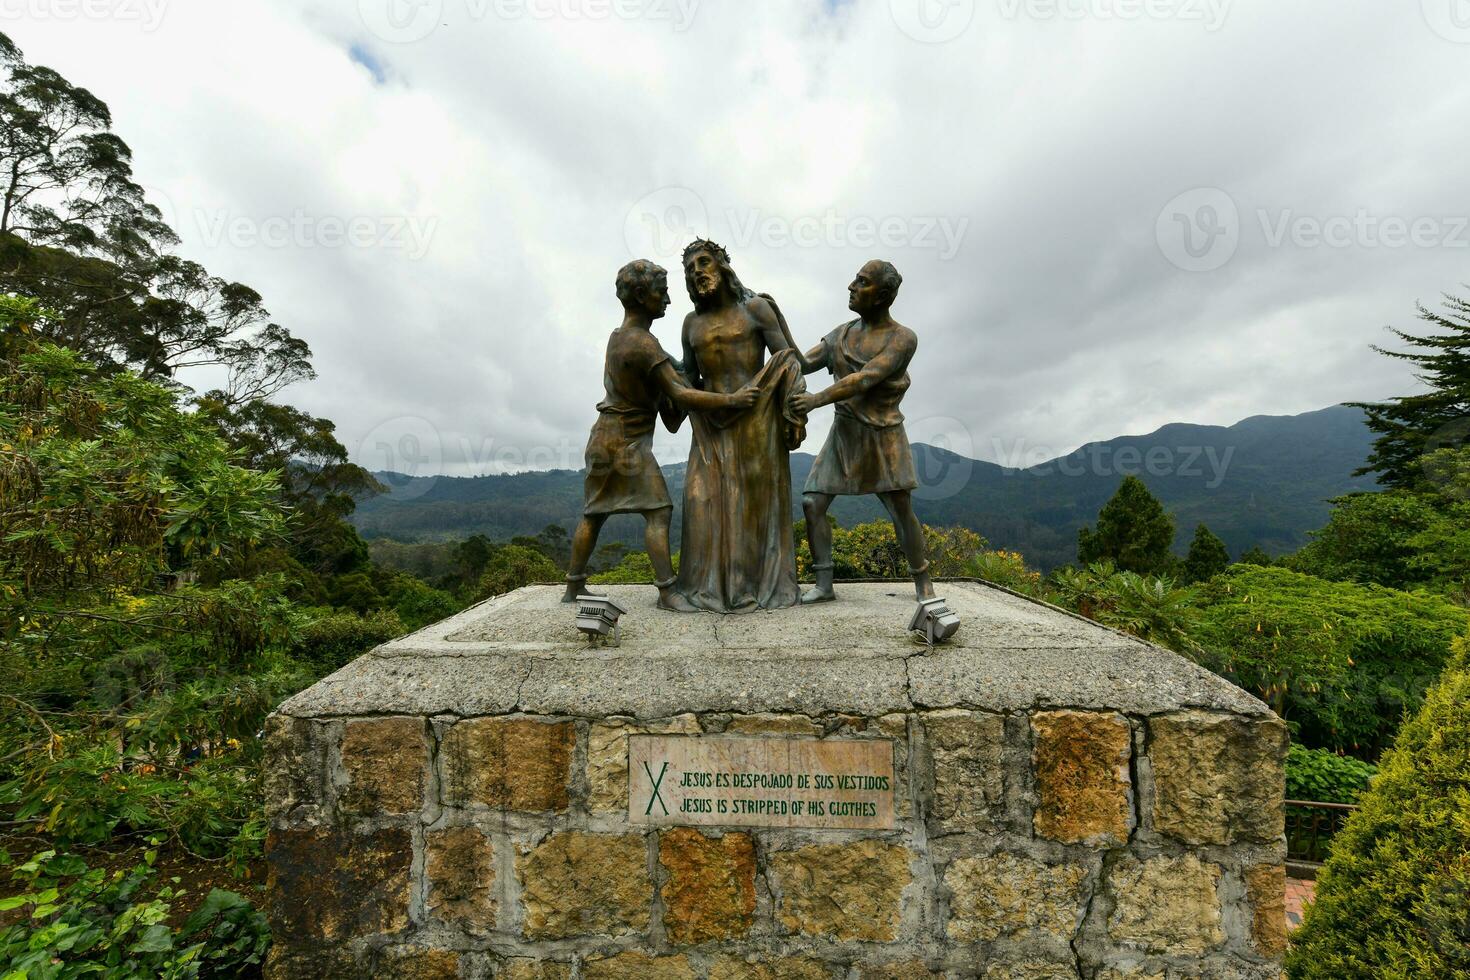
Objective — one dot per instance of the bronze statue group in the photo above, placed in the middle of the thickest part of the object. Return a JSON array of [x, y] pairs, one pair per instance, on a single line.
[[741, 385]]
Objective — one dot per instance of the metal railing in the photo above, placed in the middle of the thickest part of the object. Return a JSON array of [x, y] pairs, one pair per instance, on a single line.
[[1310, 827]]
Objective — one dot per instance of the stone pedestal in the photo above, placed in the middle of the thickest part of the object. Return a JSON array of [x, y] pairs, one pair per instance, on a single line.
[[1067, 803]]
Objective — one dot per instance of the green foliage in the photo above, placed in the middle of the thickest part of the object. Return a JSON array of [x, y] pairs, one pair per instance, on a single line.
[[1320, 776], [1255, 555], [951, 550], [1207, 556], [1415, 425], [88, 923], [1133, 532], [634, 569], [1371, 537], [1153, 609], [513, 566], [331, 639], [418, 604], [1393, 902], [1341, 662], [1008, 569]]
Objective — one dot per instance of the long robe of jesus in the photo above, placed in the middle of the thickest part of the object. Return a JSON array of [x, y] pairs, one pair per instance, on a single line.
[[737, 553]]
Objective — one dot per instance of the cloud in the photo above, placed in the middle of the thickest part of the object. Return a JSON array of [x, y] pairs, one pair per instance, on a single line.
[[436, 194]]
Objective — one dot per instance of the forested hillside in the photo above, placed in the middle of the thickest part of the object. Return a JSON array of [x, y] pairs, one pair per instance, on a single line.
[[1262, 482]]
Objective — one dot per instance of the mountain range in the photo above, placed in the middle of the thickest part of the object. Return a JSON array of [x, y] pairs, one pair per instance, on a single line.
[[1264, 481]]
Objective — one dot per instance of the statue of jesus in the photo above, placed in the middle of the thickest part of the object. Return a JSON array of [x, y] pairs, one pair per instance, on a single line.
[[737, 552]]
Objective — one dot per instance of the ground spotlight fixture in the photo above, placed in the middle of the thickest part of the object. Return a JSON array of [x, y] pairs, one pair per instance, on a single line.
[[597, 616], [932, 622]]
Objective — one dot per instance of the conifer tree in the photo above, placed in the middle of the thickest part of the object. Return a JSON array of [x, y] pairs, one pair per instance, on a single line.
[[1207, 556], [1133, 531]]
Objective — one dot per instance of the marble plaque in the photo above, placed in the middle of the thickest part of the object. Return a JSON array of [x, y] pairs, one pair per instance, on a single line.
[[698, 780]]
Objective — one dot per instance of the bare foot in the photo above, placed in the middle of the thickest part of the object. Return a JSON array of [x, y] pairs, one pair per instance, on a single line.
[[817, 594], [674, 602]]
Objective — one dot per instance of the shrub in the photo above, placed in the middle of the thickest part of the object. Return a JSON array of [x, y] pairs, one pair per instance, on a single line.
[[1325, 777], [1150, 608], [1008, 569], [1340, 662], [333, 639], [87, 923], [513, 566], [1393, 902]]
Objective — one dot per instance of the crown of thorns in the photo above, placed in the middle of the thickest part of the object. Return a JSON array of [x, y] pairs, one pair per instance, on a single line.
[[705, 245]]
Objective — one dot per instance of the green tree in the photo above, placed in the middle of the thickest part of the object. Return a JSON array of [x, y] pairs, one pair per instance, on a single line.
[[1412, 426], [513, 566], [1341, 662], [1255, 555], [1133, 532], [1393, 902], [1207, 556], [1370, 537]]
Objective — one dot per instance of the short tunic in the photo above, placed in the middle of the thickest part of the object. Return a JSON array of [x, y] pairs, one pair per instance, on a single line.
[[867, 450], [622, 475]]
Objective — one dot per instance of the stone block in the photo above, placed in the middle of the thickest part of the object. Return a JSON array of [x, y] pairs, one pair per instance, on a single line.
[[1030, 970], [1265, 886], [637, 966], [522, 969], [786, 968], [386, 764], [710, 892], [460, 868], [579, 884], [413, 963], [509, 763], [772, 725], [1130, 972], [285, 962], [842, 891], [1015, 896], [293, 781], [1081, 760], [1166, 905], [902, 970], [968, 749], [1218, 779], [336, 885], [607, 758]]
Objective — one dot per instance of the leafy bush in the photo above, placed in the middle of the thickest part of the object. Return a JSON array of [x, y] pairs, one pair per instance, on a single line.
[[1150, 608], [418, 604], [1325, 777], [88, 923], [332, 639], [634, 569], [1340, 662], [1393, 902], [1008, 569], [513, 566]]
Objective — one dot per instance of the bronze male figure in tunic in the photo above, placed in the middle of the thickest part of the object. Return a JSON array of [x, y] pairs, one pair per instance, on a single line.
[[641, 384], [867, 450]]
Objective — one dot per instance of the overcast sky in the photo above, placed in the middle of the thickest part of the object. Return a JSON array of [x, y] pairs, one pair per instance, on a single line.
[[1109, 214]]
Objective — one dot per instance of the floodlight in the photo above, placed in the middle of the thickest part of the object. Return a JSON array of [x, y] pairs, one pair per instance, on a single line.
[[597, 616], [932, 621]]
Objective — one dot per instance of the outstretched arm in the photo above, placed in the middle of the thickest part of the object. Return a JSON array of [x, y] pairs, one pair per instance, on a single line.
[[777, 335], [695, 400], [890, 361]]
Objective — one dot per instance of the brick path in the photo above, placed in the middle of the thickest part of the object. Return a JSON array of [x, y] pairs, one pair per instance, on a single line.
[[1298, 894]]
